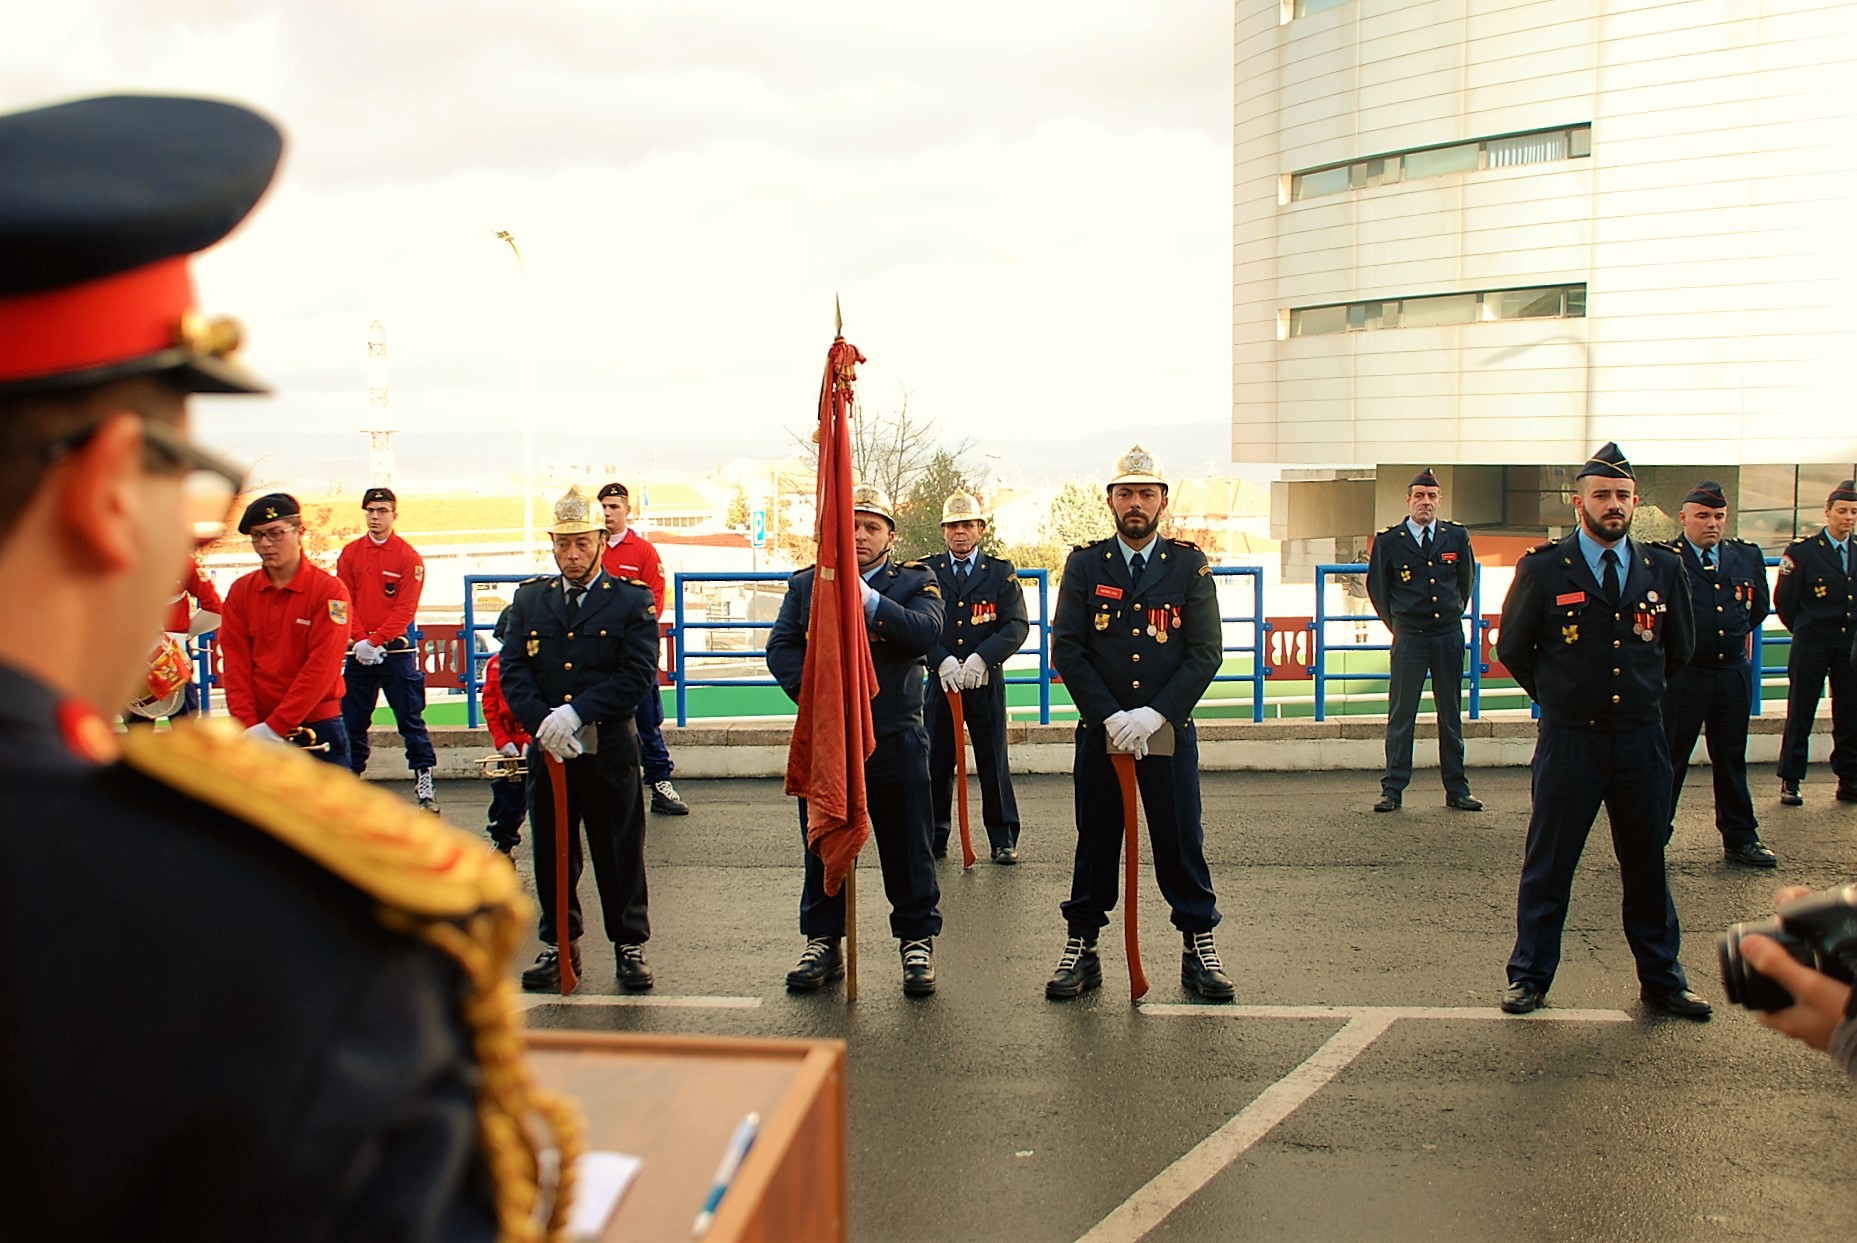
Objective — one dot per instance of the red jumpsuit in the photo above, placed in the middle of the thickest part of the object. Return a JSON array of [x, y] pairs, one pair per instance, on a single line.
[[281, 648]]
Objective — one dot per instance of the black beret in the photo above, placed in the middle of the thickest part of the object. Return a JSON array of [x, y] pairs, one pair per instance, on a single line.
[[1846, 491], [269, 508], [379, 494], [1608, 463], [102, 202], [1708, 493], [1424, 479], [613, 489]]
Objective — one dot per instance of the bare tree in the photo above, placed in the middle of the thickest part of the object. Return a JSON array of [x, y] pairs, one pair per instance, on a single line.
[[891, 449]]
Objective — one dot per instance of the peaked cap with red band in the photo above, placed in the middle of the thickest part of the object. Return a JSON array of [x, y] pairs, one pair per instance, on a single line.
[[102, 202], [1707, 494]]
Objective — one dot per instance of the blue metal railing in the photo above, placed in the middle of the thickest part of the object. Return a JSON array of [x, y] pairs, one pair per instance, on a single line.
[[1259, 628], [1758, 668], [1319, 670], [681, 654], [472, 672]]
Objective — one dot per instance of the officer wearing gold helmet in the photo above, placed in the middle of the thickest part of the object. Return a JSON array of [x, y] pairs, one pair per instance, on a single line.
[[902, 613], [1137, 640], [301, 1030], [582, 650], [984, 623]]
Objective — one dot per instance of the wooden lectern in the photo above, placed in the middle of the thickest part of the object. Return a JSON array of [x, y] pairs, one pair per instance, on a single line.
[[675, 1100]]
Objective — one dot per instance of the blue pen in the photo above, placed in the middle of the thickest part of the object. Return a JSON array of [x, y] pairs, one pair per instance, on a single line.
[[739, 1144]]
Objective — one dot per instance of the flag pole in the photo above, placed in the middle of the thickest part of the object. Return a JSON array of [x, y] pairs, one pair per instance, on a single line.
[[851, 933]]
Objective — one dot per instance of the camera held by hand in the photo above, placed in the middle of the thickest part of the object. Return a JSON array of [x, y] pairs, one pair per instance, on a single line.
[[1818, 930]]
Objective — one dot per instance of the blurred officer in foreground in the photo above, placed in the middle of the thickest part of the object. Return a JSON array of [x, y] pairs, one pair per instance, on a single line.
[[630, 555], [983, 624], [1815, 601], [1713, 692], [1419, 577], [283, 636], [902, 614], [581, 648], [229, 1015], [1137, 640], [1593, 628], [384, 576]]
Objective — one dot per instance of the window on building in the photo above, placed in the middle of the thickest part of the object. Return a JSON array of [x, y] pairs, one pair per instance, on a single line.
[[1507, 151], [1292, 9], [1434, 310]]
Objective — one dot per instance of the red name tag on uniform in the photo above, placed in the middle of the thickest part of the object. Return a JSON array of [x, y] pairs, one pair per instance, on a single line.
[[1110, 590], [1572, 597], [1449, 558]]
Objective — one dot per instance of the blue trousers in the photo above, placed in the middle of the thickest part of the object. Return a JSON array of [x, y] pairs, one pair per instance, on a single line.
[[1808, 666], [983, 709], [1715, 702], [1169, 794], [655, 756], [508, 805], [1413, 657], [896, 789], [400, 676], [333, 732], [1574, 772]]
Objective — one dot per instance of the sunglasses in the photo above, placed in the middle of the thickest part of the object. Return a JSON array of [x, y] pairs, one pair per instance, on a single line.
[[210, 485]]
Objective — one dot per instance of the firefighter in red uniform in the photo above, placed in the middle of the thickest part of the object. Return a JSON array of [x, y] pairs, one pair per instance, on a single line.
[[384, 576], [630, 555], [282, 638]]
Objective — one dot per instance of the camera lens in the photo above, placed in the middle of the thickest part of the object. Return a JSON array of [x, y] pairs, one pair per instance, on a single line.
[[1747, 987]]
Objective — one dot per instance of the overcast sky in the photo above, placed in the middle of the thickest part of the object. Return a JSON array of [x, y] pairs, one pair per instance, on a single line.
[[1024, 204]]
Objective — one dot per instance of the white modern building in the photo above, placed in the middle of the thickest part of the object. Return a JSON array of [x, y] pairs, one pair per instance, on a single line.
[[1487, 236]]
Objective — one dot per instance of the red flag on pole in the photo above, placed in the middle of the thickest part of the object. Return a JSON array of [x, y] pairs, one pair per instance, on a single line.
[[835, 734]]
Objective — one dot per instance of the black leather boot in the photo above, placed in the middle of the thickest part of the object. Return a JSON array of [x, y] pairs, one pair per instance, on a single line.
[[819, 961], [1078, 969], [545, 975], [634, 971], [919, 967], [1200, 968]]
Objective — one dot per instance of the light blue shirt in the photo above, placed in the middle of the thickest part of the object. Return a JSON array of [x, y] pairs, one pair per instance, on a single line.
[[1714, 554], [876, 597], [1128, 555], [1593, 550], [1418, 532], [1838, 546]]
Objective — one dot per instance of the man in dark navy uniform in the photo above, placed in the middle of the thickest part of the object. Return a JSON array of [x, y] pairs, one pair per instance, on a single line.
[[1419, 577], [903, 614], [1137, 640], [295, 1058], [1815, 601], [1594, 626], [1713, 693], [582, 648], [984, 624]]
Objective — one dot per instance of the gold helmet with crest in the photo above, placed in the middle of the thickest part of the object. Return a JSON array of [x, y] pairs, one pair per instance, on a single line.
[[1137, 466], [576, 515], [962, 507], [868, 498]]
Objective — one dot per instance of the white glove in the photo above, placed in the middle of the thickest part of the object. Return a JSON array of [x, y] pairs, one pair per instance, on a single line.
[[510, 749], [1144, 723], [949, 671], [557, 730], [973, 672], [867, 594], [367, 653], [263, 733], [1116, 726], [1139, 748]]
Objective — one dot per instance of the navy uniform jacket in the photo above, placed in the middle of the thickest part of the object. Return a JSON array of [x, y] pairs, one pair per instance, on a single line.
[[906, 625], [603, 665], [208, 1036], [1101, 643], [1416, 596], [1814, 597], [1591, 665], [1729, 604], [988, 617]]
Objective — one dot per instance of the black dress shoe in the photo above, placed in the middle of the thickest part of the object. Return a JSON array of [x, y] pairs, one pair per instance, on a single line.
[[941, 850], [919, 967], [1078, 970], [634, 972], [1752, 854], [1847, 794], [820, 961], [1200, 969], [1522, 997], [1463, 802], [545, 975], [1005, 856], [1388, 802], [1789, 794], [1680, 1002]]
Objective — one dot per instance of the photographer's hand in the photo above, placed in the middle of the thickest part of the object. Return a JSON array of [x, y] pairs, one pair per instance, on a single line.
[[1818, 1000]]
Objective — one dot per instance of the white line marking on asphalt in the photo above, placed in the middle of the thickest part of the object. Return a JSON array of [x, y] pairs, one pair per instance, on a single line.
[[1161, 1195], [535, 1001]]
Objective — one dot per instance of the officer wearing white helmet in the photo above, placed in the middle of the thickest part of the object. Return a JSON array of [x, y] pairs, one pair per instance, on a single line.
[[985, 623]]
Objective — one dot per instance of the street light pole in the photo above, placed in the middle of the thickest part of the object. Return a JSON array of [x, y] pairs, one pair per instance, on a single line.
[[526, 417]]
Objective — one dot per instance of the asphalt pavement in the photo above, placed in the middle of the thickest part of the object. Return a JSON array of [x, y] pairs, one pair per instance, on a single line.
[[1364, 1087]]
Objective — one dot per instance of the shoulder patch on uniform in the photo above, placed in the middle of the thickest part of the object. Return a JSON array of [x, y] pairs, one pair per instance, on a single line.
[[1788, 565], [419, 573], [1185, 543], [338, 612], [1204, 570], [932, 588], [408, 860]]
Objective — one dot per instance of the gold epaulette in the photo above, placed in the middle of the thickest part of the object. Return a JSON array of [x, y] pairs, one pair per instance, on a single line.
[[1541, 547], [409, 860], [1184, 543]]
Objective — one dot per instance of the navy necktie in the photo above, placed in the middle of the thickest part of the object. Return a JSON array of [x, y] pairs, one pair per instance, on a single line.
[[574, 596], [1425, 544], [1708, 560], [1136, 564], [1610, 557], [960, 576]]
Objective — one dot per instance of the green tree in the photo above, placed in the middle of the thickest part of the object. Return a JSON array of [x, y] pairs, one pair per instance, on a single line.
[[918, 517], [1079, 514], [737, 519]]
